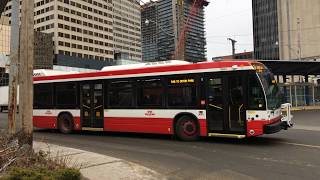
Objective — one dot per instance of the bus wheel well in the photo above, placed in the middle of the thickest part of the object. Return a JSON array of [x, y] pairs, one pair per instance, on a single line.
[[65, 115], [178, 116], [65, 112]]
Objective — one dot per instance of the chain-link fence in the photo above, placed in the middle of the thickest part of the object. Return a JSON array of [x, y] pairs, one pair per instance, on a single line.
[[302, 94]]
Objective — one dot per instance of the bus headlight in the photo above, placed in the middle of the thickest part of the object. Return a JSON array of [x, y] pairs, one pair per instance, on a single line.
[[252, 132]]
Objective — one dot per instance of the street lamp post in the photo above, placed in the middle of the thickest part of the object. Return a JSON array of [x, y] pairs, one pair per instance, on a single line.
[[233, 43]]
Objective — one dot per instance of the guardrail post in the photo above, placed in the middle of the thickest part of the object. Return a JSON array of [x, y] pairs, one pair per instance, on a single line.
[[313, 97], [306, 92], [291, 100], [295, 95]]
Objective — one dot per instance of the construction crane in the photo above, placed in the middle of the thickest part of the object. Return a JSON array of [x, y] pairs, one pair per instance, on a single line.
[[196, 5]]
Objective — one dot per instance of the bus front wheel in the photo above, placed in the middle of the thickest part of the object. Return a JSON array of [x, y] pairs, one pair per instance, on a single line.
[[187, 129], [65, 123]]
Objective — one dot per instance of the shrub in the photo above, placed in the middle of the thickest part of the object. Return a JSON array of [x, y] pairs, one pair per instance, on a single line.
[[22, 163]]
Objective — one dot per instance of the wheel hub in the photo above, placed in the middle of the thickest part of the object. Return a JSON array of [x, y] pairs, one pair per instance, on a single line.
[[189, 128]]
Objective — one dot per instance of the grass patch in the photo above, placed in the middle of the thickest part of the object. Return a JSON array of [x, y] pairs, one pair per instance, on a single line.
[[42, 173]]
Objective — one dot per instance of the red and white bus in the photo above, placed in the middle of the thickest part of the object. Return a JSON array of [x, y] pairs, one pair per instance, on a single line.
[[227, 99]]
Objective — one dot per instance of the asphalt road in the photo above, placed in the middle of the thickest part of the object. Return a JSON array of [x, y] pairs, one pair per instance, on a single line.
[[292, 154]]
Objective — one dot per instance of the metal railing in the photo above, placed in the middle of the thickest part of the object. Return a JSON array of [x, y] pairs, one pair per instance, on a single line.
[[301, 94]]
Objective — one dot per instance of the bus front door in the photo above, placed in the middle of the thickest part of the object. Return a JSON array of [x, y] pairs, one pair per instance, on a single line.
[[92, 109], [226, 107]]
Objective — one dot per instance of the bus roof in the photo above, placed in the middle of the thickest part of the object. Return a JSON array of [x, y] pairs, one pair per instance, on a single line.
[[49, 72], [144, 65], [150, 70]]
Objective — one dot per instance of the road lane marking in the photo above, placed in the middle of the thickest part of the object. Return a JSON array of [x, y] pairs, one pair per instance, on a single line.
[[303, 145], [308, 128]]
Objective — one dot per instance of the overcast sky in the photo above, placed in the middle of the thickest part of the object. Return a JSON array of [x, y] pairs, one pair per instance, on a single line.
[[228, 18]]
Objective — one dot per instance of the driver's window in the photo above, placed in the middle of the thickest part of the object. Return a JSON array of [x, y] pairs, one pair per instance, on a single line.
[[256, 98]]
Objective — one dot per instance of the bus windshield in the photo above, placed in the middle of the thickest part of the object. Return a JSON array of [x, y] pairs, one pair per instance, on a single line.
[[272, 90]]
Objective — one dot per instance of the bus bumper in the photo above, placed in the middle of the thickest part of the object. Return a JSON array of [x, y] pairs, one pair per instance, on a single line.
[[275, 127], [285, 123], [286, 118]]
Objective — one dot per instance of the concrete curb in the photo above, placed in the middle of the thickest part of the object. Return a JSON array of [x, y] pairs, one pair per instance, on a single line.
[[305, 108], [96, 166]]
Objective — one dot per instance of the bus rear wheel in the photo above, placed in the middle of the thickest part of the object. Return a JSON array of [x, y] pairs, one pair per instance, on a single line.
[[65, 123], [187, 129]]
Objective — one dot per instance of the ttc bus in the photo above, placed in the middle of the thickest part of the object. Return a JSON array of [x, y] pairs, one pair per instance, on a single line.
[[235, 99]]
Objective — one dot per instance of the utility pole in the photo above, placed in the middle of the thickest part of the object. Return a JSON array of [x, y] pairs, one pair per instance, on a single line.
[[26, 70], [14, 67], [299, 38], [233, 43]]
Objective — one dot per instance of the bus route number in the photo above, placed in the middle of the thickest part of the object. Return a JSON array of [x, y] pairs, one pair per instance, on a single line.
[[182, 81]]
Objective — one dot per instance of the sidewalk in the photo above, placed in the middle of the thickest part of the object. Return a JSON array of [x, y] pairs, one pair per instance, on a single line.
[[96, 166]]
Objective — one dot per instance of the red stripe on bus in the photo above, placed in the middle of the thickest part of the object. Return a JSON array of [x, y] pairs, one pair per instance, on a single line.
[[77, 123], [146, 125], [203, 127], [139, 125], [49, 122], [169, 68]]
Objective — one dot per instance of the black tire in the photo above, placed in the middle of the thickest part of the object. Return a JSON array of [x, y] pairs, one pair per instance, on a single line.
[[65, 123], [1, 110], [187, 128]]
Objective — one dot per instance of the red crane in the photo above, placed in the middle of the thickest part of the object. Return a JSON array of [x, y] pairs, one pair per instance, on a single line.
[[196, 5]]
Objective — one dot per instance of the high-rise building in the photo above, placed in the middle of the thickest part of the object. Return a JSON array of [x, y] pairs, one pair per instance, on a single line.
[[169, 20], [149, 27], [43, 47], [286, 29], [5, 31], [89, 33], [3, 4], [127, 29], [299, 33], [265, 29]]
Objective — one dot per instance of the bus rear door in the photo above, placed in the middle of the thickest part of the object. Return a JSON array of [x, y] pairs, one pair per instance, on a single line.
[[92, 109]]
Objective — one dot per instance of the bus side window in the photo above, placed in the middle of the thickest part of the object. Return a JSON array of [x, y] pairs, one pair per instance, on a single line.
[[182, 92], [66, 94], [256, 98], [150, 92], [121, 94], [43, 96]]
